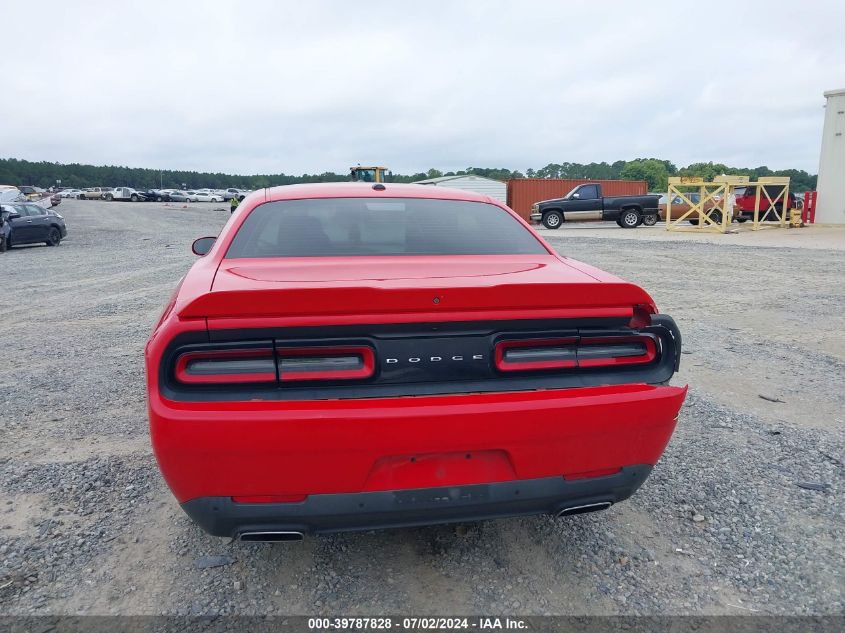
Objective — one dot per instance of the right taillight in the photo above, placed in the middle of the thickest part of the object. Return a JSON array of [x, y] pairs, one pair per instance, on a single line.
[[605, 351], [534, 354], [574, 352]]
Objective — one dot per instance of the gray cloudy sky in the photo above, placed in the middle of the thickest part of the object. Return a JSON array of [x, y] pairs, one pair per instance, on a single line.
[[267, 87]]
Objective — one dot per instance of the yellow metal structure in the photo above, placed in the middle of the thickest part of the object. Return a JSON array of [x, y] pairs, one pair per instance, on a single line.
[[716, 219], [780, 186], [368, 173]]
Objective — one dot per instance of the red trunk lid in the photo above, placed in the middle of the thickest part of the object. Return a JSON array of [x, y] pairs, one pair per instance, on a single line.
[[360, 286]]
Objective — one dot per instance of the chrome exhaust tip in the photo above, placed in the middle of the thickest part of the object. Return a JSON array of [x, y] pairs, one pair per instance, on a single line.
[[271, 537], [590, 507]]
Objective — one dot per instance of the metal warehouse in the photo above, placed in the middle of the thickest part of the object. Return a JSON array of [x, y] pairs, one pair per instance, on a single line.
[[831, 186], [496, 189]]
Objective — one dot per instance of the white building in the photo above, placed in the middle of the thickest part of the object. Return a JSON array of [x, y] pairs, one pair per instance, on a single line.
[[830, 206], [496, 189]]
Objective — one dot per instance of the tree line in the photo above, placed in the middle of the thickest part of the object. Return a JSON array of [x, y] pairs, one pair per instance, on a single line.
[[654, 171]]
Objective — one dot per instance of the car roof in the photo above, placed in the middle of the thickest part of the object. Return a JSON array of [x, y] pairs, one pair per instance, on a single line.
[[366, 190]]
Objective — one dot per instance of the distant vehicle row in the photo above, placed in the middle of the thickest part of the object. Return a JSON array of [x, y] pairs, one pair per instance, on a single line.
[[156, 195]]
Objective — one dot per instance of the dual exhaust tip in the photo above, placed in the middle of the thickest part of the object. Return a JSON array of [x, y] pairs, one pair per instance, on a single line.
[[271, 537], [590, 507]]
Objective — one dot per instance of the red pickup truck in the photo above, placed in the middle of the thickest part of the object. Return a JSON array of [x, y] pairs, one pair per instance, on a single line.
[[353, 356], [769, 211]]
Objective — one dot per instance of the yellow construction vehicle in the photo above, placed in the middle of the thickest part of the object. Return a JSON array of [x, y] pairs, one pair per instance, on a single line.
[[368, 174]]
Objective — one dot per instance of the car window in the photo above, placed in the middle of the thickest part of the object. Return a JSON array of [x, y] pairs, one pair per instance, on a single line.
[[339, 227], [589, 192]]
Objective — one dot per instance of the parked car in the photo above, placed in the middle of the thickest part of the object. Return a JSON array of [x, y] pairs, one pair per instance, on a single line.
[[346, 356], [744, 209], [156, 195], [94, 193], [31, 193], [10, 193], [5, 229], [203, 196], [30, 223], [585, 202], [178, 196], [70, 193], [680, 207], [148, 195], [232, 192]]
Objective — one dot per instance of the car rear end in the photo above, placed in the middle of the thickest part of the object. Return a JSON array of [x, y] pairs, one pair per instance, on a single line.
[[331, 388]]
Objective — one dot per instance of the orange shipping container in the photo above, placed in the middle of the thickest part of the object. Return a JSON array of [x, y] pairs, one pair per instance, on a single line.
[[524, 192]]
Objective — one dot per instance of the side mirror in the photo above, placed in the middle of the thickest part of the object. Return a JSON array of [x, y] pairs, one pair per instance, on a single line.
[[202, 245], [576, 195]]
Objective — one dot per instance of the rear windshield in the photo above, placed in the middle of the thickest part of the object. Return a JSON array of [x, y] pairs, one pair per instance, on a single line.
[[332, 227]]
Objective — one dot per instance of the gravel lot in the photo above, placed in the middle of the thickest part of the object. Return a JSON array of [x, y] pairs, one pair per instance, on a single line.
[[722, 526]]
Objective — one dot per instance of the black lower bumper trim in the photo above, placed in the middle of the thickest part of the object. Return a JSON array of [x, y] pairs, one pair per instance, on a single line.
[[325, 513]]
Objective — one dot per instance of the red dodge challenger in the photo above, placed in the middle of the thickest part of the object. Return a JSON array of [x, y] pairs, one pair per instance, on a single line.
[[355, 356]]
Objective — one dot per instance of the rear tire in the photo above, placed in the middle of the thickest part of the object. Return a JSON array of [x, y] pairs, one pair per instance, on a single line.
[[552, 219], [108, 198], [716, 216], [629, 219], [54, 238]]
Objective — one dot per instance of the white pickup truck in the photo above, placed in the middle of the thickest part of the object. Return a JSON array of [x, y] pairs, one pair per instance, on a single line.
[[123, 193]]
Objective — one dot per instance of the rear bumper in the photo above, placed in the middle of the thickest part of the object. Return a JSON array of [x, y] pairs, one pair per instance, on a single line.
[[328, 513], [333, 451]]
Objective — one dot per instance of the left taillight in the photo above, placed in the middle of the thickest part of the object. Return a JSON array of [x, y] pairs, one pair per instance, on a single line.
[[226, 366], [325, 363], [264, 363]]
